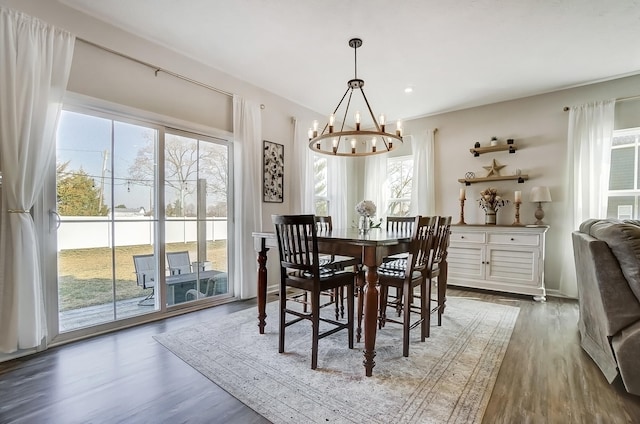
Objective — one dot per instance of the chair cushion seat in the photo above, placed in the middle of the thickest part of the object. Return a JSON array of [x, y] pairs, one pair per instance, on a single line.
[[397, 273]]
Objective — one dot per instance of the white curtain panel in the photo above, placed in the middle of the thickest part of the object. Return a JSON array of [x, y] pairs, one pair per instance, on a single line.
[[302, 168], [590, 136], [589, 159], [247, 134], [36, 61], [376, 185], [423, 192], [337, 183]]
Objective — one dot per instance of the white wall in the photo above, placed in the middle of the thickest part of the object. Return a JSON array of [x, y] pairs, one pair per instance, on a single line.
[[539, 127]]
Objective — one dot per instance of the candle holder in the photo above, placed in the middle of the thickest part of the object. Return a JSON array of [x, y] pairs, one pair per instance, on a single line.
[[517, 221], [461, 222]]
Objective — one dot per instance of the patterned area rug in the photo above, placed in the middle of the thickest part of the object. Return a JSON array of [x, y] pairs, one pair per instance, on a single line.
[[447, 379]]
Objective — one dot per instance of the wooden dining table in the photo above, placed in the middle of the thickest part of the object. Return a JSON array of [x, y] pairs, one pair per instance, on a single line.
[[371, 248]]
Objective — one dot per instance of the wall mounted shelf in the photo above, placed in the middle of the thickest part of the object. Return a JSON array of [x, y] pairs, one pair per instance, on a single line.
[[468, 181], [476, 151]]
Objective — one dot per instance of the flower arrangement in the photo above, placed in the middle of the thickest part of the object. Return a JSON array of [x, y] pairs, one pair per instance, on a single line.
[[366, 208], [490, 201]]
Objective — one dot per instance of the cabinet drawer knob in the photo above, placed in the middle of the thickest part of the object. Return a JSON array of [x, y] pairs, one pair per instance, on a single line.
[[512, 239]]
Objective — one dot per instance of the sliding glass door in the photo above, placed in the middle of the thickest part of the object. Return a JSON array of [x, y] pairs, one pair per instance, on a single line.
[[106, 220], [123, 240], [196, 198]]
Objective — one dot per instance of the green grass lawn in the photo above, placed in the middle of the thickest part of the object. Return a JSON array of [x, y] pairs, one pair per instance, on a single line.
[[85, 276]]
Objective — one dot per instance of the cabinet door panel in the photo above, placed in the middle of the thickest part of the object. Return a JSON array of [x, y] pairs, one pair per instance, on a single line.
[[466, 261], [513, 265]]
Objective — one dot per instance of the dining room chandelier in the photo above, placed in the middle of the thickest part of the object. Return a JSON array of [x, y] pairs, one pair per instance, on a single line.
[[349, 141]]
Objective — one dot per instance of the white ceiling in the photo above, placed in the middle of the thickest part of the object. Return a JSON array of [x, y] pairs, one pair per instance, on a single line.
[[453, 53]]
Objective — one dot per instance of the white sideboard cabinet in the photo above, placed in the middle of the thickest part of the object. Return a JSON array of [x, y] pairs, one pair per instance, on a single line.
[[501, 258]]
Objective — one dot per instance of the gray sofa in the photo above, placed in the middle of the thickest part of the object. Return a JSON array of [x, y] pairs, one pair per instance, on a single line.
[[607, 257]]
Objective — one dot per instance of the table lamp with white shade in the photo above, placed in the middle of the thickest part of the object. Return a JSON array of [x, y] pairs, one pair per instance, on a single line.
[[540, 195]]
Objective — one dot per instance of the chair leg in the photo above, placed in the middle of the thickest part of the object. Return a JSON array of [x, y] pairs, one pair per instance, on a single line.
[[425, 309], [428, 310], [283, 307], [360, 288], [350, 314], [334, 297], [399, 296], [382, 315], [442, 298], [406, 304], [315, 323]]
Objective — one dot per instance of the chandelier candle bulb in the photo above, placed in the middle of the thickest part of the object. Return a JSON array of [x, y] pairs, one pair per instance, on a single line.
[[382, 123], [373, 144], [335, 145], [353, 145], [462, 194], [331, 120], [315, 129], [310, 133], [518, 196], [357, 121], [399, 129]]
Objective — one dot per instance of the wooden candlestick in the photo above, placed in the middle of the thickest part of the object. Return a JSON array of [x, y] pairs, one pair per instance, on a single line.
[[517, 221], [461, 213]]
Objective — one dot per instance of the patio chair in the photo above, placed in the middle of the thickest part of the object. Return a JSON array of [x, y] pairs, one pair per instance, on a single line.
[[179, 262], [145, 270]]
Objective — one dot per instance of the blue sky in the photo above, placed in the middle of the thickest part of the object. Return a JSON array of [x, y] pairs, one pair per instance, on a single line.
[[84, 141]]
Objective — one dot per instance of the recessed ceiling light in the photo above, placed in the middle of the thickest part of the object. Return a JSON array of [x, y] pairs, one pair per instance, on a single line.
[[408, 90]]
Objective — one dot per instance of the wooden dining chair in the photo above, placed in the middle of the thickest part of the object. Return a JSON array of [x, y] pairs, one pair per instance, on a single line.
[[402, 225], [437, 268], [300, 269], [413, 275]]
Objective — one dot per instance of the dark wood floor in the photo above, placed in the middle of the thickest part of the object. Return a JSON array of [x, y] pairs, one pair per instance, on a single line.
[[127, 377]]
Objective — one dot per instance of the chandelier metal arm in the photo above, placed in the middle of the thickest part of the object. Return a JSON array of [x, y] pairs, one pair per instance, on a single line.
[[336, 109], [373, 117], [344, 118]]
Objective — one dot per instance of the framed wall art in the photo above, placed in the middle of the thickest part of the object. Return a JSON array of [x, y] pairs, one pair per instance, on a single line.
[[272, 172]]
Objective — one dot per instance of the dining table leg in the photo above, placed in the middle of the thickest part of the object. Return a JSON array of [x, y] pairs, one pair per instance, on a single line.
[[370, 310], [262, 286]]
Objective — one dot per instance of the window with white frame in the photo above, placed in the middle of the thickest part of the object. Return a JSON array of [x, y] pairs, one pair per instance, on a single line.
[[400, 182], [321, 195], [624, 178]]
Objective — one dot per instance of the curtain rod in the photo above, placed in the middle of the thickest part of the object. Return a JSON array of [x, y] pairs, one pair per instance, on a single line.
[[156, 68], [621, 99]]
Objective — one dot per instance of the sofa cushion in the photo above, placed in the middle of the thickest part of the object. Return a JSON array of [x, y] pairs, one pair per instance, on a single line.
[[623, 238]]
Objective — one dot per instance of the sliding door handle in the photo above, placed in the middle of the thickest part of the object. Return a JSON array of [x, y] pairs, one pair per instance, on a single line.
[[55, 215]]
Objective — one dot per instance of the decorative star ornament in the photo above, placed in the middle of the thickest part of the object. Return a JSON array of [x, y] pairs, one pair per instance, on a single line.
[[494, 169]]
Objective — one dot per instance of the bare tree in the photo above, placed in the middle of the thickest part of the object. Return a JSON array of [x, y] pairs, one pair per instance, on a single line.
[[186, 161], [400, 174]]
